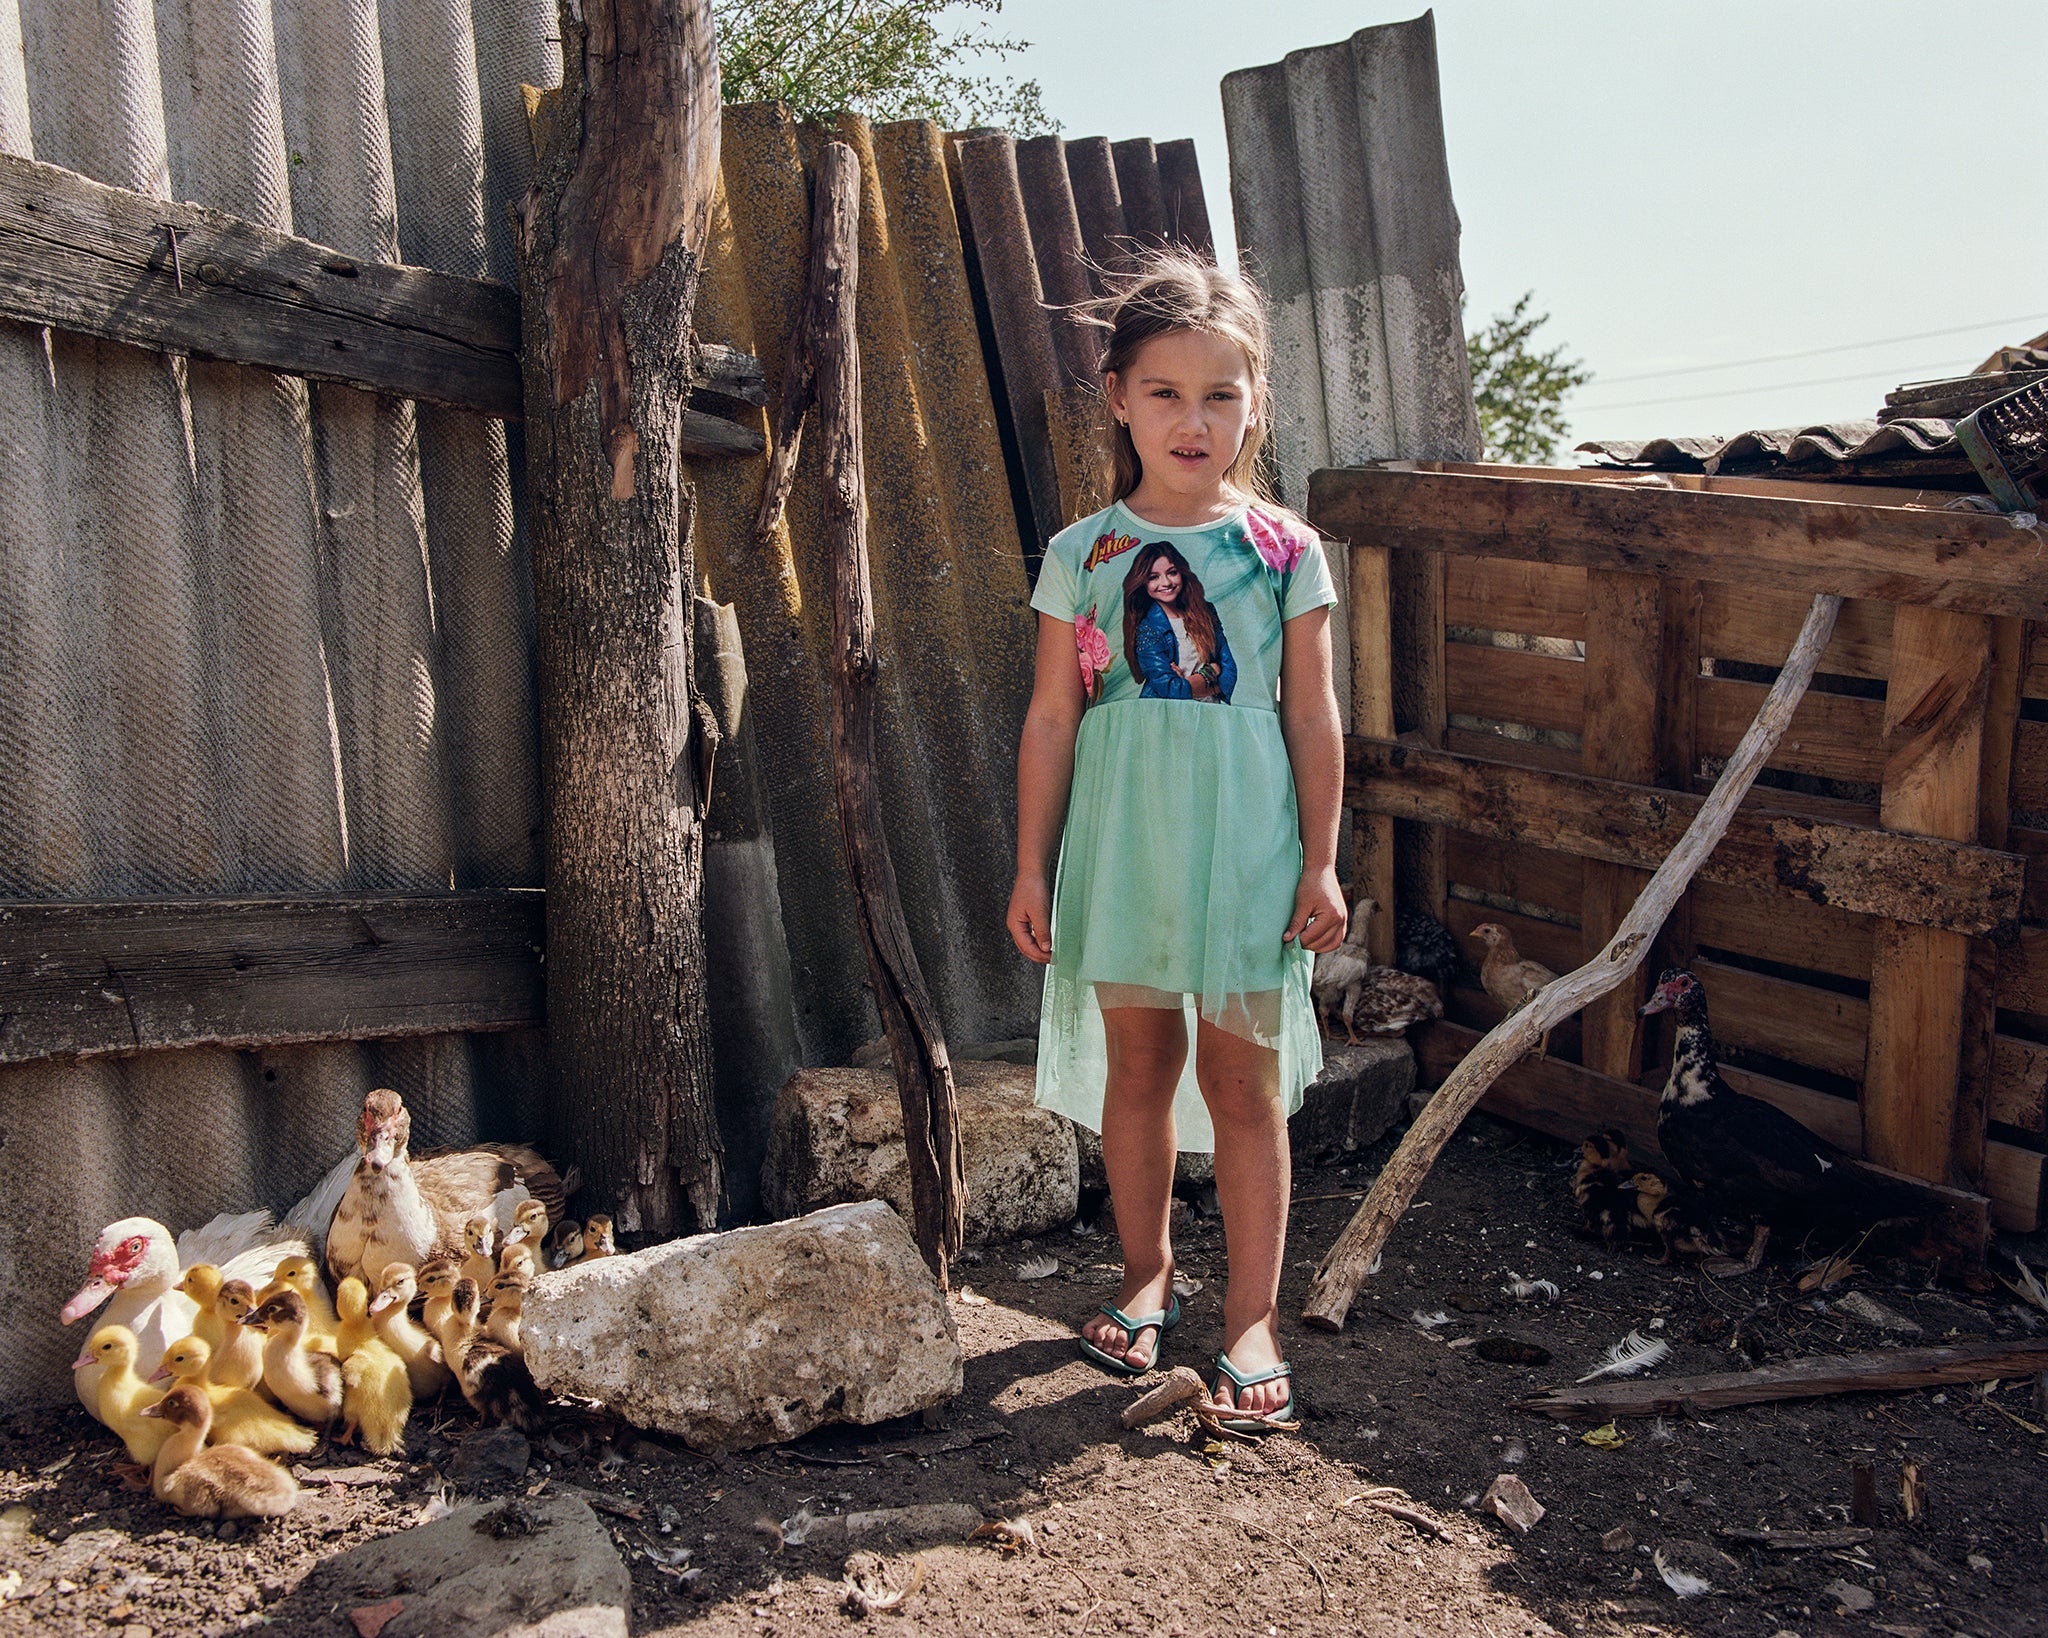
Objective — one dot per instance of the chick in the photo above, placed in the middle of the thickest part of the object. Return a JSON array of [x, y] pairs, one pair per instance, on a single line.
[[305, 1382], [239, 1416], [529, 1224], [480, 1244], [1508, 976], [597, 1239], [493, 1379], [123, 1395], [508, 1302], [568, 1243], [302, 1274], [238, 1359], [437, 1284], [353, 1326], [202, 1283], [517, 1258], [226, 1482], [1677, 1216], [391, 1309], [1602, 1186], [376, 1396]]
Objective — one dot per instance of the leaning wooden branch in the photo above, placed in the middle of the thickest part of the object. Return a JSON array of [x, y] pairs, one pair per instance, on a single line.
[[1883, 1370], [924, 1074], [1344, 1269]]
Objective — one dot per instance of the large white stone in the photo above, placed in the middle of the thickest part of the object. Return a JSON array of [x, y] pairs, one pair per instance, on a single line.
[[752, 1336], [837, 1134]]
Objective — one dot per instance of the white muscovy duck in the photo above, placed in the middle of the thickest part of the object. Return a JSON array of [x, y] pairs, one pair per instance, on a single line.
[[135, 1269]]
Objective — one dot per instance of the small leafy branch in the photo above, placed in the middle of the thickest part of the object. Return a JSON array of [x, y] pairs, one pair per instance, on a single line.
[[1520, 391]]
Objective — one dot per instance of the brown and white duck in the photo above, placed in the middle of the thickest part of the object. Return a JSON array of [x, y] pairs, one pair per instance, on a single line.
[[405, 1208]]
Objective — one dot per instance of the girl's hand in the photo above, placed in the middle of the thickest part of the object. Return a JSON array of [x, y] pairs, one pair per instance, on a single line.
[[1319, 918], [1030, 919]]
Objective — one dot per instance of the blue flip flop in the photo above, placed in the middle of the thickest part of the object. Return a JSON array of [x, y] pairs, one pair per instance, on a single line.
[[1281, 1419], [1132, 1324]]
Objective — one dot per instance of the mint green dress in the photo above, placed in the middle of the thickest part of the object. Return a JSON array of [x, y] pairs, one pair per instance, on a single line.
[[1182, 848]]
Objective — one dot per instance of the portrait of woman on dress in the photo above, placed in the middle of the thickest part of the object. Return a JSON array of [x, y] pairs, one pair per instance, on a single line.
[[1172, 636]]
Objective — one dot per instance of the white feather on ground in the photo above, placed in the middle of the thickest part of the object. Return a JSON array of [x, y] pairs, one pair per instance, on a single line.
[[1038, 1268], [1682, 1582], [1635, 1352]]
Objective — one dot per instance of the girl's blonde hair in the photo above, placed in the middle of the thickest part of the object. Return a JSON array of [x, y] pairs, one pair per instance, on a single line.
[[1162, 290]]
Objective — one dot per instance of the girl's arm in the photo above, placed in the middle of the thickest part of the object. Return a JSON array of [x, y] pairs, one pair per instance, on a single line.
[[1315, 749], [1045, 770]]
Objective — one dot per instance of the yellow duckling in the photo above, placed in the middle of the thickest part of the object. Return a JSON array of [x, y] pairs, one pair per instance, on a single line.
[[202, 1283], [227, 1482], [508, 1304], [391, 1310], [302, 1274], [480, 1245], [239, 1416], [306, 1383], [376, 1397], [437, 1285], [353, 1327], [597, 1240], [238, 1361], [529, 1223], [123, 1396]]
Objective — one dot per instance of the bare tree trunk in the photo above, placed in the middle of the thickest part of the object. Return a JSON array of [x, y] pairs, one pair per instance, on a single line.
[[823, 366], [612, 236]]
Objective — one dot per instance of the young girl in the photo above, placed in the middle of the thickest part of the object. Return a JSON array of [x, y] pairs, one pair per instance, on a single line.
[[1197, 870]]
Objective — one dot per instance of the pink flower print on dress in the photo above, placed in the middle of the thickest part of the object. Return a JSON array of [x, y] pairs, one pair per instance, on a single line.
[[1279, 541], [1094, 647]]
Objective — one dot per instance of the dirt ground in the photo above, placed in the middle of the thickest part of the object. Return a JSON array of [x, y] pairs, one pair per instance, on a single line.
[[1163, 1531]]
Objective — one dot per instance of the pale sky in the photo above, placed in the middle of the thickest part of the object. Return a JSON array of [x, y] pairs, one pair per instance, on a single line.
[[1681, 186]]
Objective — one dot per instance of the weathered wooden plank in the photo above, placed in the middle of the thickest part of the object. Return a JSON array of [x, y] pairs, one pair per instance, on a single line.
[[1934, 719], [1536, 599], [1532, 875], [1773, 926], [85, 979], [2030, 768], [81, 256], [1756, 626], [1978, 1076], [1918, 880], [1855, 494], [1896, 554], [2019, 1083], [1799, 1023], [1508, 685], [1522, 753], [2032, 845], [1837, 736], [1417, 653], [1619, 740], [1372, 712], [1568, 1101]]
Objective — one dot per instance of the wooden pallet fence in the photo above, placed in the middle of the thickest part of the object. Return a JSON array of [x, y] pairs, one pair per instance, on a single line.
[[1873, 932]]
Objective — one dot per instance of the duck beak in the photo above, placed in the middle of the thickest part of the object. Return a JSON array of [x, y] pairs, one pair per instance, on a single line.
[[95, 1291], [82, 1360], [161, 1374], [156, 1410], [1657, 1003], [382, 1301]]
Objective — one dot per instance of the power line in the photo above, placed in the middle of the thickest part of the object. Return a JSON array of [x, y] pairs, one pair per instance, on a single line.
[[1818, 352], [1924, 372]]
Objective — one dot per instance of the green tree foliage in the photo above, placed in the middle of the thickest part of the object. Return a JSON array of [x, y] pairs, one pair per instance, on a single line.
[[888, 59], [1520, 391]]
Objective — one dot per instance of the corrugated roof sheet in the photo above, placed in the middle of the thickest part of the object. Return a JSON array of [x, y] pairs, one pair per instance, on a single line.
[[1860, 444]]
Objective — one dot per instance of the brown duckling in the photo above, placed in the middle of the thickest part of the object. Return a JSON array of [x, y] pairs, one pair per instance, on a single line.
[[1678, 1217], [493, 1379], [508, 1302], [224, 1482], [597, 1239], [1602, 1186], [307, 1383]]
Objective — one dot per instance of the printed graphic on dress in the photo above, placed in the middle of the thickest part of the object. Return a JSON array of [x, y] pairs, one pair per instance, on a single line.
[[1173, 636], [1095, 655]]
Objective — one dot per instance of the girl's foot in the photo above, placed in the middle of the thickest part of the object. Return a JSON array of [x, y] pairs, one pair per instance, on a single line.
[[1139, 1296], [1255, 1349]]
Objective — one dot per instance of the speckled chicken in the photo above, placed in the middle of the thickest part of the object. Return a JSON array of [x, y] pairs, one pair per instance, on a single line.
[[1424, 946], [1370, 999]]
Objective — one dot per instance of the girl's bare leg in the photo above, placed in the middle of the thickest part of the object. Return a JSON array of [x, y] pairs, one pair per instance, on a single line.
[[1147, 1048], [1240, 1083]]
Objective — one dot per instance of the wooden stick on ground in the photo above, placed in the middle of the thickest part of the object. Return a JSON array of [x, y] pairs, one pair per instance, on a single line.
[[825, 354], [1883, 1370], [1344, 1269]]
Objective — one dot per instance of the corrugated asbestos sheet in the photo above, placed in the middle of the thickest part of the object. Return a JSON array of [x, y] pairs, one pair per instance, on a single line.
[[1903, 448], [255, 637], [1342, 196]]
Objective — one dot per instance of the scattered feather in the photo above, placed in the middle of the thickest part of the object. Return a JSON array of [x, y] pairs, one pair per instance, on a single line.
[[1682, 1582], [1041, 1267], [1522, 1290], [1635, 1352], [798, 1525], [1185, 1287], [1429, 1322], [2028, 1287], [1374, 1267], [867, 1591], [971, 1298], [1007, 1535], [1661, 1434]]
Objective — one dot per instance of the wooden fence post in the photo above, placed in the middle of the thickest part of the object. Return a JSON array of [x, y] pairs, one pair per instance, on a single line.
[[1415, 642], [611, 238], [1372, 713]]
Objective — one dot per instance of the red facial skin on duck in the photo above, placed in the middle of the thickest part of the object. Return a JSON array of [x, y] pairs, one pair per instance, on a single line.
[[110, 1269], [382, 1140]]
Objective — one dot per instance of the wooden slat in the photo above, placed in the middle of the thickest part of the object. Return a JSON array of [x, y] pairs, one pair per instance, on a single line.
[[2030, 767], [2019, 1083], [1906, 878], [1416, 649], [2034, 676], [1777, 927], [1757, 627], [1952, 560], [1568, 1101], [1796, 1022], [1372, 712], [2023, 973], [1624, 630], [1507, 685], [2032, 845], [1535, 599], [1532, 875], [81, 256], [80, 980], [1855, 494], [1834, 735], [1934, 717], [1522, 753]]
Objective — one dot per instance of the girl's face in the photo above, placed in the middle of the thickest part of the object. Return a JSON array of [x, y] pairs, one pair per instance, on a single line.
[[1164, 581], [1187, 399]]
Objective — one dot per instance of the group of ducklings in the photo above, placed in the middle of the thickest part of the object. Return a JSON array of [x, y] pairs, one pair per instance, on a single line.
[[1617, 1199], [270, 1372]]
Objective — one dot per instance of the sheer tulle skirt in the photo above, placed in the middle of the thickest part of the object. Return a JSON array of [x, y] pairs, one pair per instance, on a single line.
[[1177, 875]]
